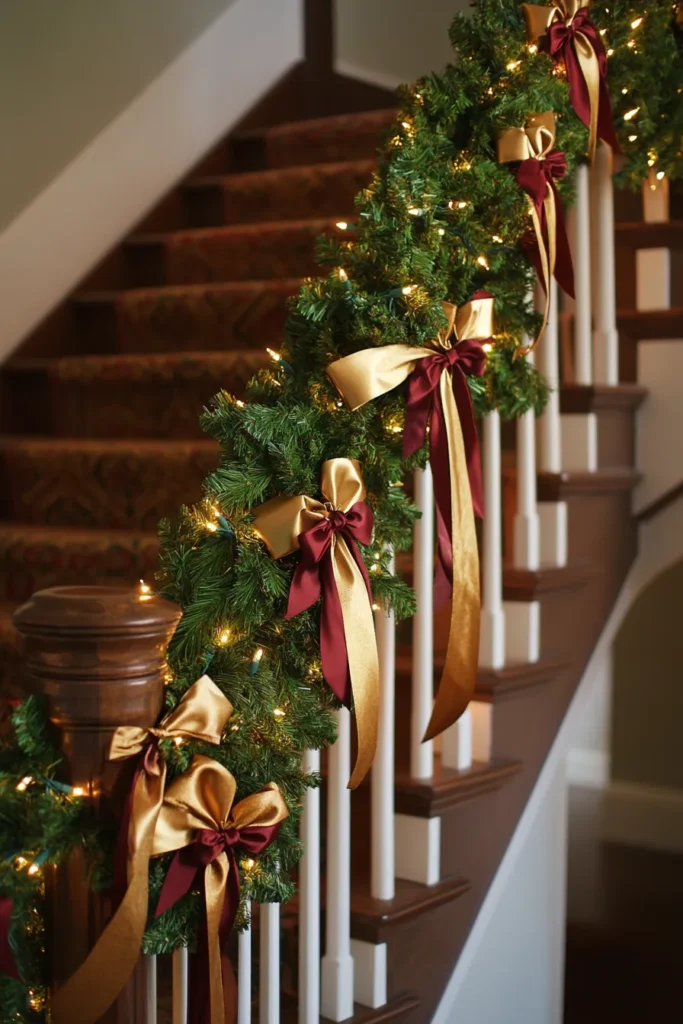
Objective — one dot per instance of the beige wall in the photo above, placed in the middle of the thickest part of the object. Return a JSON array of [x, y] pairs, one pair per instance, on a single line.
[[68, 67], [647, 698], [396, 39]]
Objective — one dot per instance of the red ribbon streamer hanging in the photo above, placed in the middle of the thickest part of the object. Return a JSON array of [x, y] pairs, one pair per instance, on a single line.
[[7, 962], [535, 177]]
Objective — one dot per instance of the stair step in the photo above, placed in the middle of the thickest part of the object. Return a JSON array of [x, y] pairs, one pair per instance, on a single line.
[[281, 194], [559, 486], [100, 484], [35, 557], [316, 141], [448, 787], [124, 396], [372, 920], [10, 657], [396, 1008], [644, 235], [189, 318], [237, 252], [493, 684]]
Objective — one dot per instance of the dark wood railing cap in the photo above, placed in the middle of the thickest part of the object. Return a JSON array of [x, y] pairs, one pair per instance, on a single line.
[[105, 610]]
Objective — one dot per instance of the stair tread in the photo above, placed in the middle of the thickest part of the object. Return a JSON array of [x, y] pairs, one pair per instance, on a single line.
[[261, 227], [90, 444], [585, 398], [152, 365], [494, 684], [555, 486], [529, 584], [236, 180], [394, 1008], [371, 918], [646, 234], [447, 787], [281, 284], [366, 118]]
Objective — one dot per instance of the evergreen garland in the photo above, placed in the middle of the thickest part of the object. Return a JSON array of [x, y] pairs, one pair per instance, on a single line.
[[440, 220]]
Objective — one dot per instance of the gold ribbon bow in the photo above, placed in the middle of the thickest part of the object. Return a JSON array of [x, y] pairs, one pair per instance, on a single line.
[[202, 798], [535, 142], [538, 20], [366, 375], [201, 714], [279, 523]]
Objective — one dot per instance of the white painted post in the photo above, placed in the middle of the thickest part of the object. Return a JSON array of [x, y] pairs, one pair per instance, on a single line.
[[180, 986], [382, 885], [337, 963], [269, 974], [655, 199], [605, 335], [309, 900], [552, 515], [456, 744], [580, 430], [492, 638], [422, 754], [653, 266], [151, 989], [244, 973]]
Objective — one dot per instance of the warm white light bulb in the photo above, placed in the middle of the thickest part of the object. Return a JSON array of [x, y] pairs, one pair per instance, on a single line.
[[630, 114]]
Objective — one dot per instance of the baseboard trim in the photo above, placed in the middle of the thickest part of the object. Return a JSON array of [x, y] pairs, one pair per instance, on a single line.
[[648, 817], [128, 167]]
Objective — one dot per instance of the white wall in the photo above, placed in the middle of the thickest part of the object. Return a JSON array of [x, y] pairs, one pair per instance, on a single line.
[[660, 419]]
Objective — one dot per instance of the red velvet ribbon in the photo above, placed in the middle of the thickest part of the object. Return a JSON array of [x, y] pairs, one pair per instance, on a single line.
[[314, 575], [423, 406], [208, 845], [7, 962], [560, 43], [534, 176]]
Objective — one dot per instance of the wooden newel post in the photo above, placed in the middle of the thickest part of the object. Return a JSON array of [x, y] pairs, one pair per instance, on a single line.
[[99, 656]]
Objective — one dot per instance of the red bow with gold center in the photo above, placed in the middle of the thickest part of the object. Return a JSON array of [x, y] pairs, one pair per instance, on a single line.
[[207, 830], [537, 165], [439, 397], [327, 534], [566, 31]]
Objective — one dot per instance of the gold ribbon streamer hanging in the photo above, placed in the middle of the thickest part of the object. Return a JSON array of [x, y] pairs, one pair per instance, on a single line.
[[279, 522], [535, 142], [538, 20], [364, 376], [202, 798], [201, 714]]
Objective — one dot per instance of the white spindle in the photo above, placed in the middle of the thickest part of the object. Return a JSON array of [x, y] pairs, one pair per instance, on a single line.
[[655, 199], [492, 641], [309, 900], [383, 868], [337, 964], [583, 356], [180, 986], [605, 336], [244, 973], [151, 989], [653, 265], [553, 515], [269, 973], [526, 554], [456, 744], [422, 754]]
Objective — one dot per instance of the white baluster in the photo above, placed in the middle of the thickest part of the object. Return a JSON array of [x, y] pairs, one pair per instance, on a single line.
[[337, 963], [580, 430], [151, 989], [422, 754], [605, 335], [244, 973], [309, 900], [269, 974], [655, 199], [180, 986], [553, 515], [492, 640], [456, 743], [382, 885], [653, 266]]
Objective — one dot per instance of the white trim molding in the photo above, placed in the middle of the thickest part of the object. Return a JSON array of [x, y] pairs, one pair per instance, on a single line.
[[588, 768], [140, 156]]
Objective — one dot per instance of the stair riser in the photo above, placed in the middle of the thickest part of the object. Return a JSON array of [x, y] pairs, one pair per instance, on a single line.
[[120, 489], [204, 257], [206, 320], [319, 190]]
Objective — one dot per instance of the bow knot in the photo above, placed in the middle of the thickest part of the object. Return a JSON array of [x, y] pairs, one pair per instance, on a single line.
[[561, 33], [537, 174], [210, 843], [337, 519]]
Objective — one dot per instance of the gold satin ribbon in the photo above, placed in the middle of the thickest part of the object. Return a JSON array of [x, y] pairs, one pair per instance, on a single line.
[[279, 522], [538, 20], [366, 375], [535, 141], [201, 714], [202, 798]]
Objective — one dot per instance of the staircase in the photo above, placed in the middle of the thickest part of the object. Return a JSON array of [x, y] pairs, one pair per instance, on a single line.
[[100, 439]]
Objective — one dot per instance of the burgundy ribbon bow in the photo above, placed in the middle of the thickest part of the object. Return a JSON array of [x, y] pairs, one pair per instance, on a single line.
[[7, 962], [314, 575], [423, 407], [208, 845], [535, 176], [560, 42]]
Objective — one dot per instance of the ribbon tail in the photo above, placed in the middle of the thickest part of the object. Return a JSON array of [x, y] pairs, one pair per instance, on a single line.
[[92, 989], [546, 255], [459, 676], [7, 962], [362, 655], [215, 898], [564, 267], [333, 645], [440, 463], [304, 589]]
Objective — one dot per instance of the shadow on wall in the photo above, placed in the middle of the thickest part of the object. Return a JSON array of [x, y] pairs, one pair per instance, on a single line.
[[647, 695]]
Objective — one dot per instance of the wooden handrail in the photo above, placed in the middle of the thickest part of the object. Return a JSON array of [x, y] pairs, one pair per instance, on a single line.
[[98, 654], [657, 506]]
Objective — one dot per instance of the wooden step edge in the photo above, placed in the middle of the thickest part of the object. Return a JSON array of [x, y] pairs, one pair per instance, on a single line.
[[448, 787], [645, 235], [494, 685], [530, 584], [394, 1009], [382, 114], [223, 181], [585, 398], [246, 228], [558, 486], [372, 920]]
